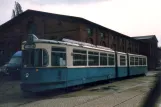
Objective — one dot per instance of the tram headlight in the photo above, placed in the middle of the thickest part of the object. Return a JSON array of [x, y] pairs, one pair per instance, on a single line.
[[4, 69], [27, 75]]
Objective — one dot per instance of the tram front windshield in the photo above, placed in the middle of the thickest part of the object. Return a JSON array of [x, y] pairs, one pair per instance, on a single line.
[[35, 58]]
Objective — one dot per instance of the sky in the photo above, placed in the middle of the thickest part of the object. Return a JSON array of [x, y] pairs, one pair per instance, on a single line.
[[130, 17]]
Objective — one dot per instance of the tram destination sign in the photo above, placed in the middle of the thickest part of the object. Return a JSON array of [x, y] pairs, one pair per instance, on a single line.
[[30, 42], [29, 46]]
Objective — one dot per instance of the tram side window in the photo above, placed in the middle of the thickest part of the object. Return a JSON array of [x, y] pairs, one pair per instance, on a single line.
[[132, 61], [140, 61], [38, 58], [35, 58], [136, 61], [25, 57], [58, 56], [144, 61], [79, 57], [103, 59], [93, 58], [111, 59], [122, 60], [45, 58]]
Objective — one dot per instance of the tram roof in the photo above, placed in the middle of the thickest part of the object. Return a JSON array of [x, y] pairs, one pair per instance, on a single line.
[[121, 52], [136, 55], [86, 45]]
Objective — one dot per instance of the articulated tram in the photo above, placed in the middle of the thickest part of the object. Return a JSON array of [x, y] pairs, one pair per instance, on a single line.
[[49, 64]]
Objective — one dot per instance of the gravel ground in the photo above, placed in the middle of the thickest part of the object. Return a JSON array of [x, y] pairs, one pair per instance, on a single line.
[[124, 93]]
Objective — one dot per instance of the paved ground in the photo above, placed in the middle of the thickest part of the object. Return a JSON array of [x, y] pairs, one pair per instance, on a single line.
[[124, 93]]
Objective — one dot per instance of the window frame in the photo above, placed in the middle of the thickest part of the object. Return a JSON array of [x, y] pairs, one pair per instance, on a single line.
[[104, 54], [133, 61], [65, 65], [119, 60], [29, 60], [85, 54], [145, 61], [136, 61], [109, 59], [93, 55], [139, 57]]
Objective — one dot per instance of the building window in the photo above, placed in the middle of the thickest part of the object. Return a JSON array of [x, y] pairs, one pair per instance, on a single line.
[[79, 57], [58, 56], [111, 59], [122, 60], [103, 59], [31, 28], [93, 58], [102, 35], [89, 31]]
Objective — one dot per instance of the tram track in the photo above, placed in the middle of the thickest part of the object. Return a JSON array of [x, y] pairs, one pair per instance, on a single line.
[[100, 97], [128, 99], [90, 100], [23, 101]]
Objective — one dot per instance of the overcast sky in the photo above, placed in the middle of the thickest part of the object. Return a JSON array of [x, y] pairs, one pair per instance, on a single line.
[[130, 17]]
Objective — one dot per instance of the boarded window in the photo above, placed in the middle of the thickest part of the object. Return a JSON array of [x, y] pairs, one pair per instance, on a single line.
[[79, 57]]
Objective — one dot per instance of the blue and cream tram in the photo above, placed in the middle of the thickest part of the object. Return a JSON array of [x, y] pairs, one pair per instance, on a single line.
[[137, 64], [122, 67], [49, 64]]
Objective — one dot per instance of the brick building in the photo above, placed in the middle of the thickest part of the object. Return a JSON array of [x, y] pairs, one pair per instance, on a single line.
[[149, 48], [159, 58], [54, 26]]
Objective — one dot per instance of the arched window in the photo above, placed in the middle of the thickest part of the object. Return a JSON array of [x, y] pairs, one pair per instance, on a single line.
[[90, 40], [31, 27], [103, 43]]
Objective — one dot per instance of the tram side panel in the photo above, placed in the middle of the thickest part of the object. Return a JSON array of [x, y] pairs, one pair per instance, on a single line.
[[76, 76], [59, 71], [86, 74], [42, 79], [100, 73], [104, 70], [137, 65], [122, 65]]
